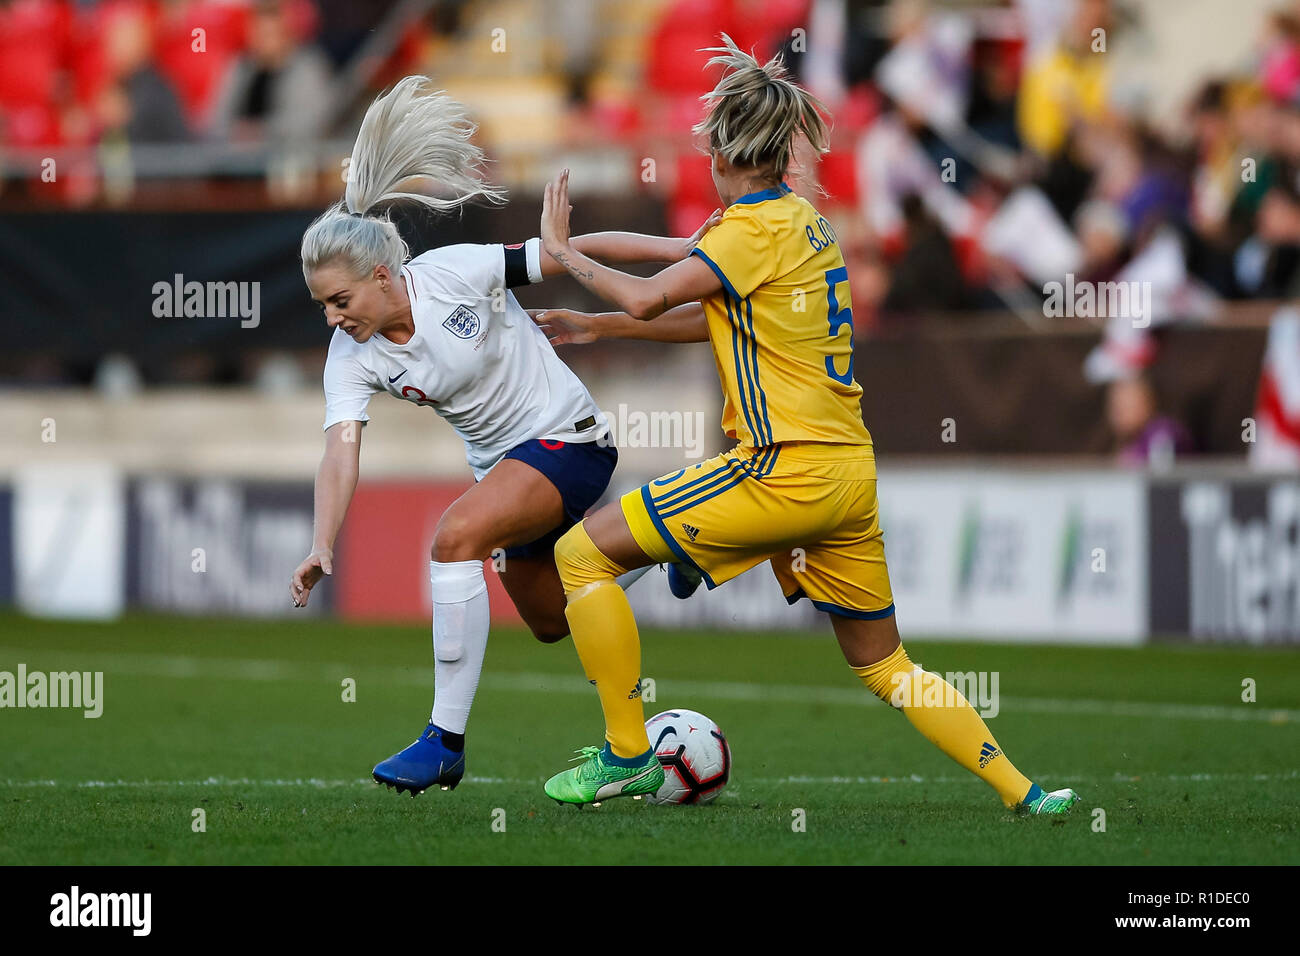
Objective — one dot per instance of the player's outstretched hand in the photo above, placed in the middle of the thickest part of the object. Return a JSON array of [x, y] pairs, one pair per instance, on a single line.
[[690, 243], [555, 214], [315, 566], [566, 327]]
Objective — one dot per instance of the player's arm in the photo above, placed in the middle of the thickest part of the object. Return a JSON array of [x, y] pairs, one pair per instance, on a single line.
[[336, 480], [686, 323], [642, 298], [630, 247]]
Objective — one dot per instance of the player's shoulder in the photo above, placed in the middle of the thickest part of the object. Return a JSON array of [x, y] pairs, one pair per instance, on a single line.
[[800, 208], [455, 258], [742, 226], [791, 211], [458, 270], [742, 215]]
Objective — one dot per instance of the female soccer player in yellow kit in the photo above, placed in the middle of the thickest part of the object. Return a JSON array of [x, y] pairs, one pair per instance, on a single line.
[[768, 289]]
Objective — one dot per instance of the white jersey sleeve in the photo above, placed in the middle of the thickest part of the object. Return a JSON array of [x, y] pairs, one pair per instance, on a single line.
[[483, 268], [348, 383]]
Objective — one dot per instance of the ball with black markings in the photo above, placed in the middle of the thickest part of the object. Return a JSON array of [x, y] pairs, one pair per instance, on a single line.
[[694, 753]]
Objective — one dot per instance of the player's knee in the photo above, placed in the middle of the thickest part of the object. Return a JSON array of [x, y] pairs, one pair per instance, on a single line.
[[580, 562], [892, 678], [455, 539], [570, 558], [551, 635]]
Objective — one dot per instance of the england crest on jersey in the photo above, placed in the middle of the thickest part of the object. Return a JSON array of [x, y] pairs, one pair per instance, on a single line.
[[462, 323]]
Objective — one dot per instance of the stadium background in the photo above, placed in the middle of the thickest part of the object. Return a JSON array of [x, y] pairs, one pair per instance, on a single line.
[[1047, 478], [1100, 507]]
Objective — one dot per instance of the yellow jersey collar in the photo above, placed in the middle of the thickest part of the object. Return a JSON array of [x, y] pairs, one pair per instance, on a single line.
[[762, 195]]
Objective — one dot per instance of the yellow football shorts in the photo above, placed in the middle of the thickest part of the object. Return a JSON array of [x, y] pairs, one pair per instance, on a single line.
[[808, 508]]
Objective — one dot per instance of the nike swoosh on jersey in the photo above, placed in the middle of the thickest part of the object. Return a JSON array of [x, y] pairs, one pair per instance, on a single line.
[[397, 376]]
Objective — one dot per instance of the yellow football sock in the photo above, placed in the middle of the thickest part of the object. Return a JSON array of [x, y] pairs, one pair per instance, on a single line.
[[940, 712], [604, 633]]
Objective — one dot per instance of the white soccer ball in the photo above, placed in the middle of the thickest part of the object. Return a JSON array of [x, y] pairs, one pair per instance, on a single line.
[[694, 754]]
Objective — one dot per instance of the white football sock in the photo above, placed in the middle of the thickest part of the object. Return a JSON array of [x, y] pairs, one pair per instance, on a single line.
[[460, 634]]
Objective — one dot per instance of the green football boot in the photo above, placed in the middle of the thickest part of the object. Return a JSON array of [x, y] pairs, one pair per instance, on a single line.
[[601, 776], [1054, 803]]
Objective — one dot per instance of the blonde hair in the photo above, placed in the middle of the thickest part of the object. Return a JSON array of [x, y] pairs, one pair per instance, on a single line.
[[756, 112], [410, 133]]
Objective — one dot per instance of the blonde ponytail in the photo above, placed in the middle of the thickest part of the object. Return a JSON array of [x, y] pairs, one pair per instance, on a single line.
[[756, 112], [411, 133]]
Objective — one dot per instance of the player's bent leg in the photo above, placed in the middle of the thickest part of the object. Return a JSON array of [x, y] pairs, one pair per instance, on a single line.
[[460, 632], [939, 711], [605, 636], [609, 532], [514, 502], [534, 586], [867, 641]]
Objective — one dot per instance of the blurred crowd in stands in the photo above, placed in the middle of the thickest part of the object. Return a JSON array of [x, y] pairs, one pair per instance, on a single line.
[[981, 150], [77, 73], [984, 153]]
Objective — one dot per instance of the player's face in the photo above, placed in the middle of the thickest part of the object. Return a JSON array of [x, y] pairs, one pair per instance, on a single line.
[[357, 306]]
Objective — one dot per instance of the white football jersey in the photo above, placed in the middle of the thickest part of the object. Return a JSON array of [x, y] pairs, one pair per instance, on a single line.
[[476, 358]]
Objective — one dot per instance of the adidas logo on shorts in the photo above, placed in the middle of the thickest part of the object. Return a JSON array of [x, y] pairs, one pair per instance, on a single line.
[[690, 530]]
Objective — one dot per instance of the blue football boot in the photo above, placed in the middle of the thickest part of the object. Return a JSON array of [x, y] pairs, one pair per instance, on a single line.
[[683, 580], [424, 764]]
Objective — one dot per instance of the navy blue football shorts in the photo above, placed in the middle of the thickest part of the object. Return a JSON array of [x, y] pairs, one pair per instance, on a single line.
[[580, 472]]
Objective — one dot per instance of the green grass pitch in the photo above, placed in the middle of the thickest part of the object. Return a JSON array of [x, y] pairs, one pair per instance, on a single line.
[[246, 721]]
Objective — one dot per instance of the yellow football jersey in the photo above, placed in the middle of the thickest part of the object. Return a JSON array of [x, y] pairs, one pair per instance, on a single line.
[[782, 325]]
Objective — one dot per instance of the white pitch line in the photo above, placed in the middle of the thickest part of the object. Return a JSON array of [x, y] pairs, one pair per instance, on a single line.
[[321, 784], [1055, 777], [207, 782], [256, 669], [1120, 708], [314, 782]]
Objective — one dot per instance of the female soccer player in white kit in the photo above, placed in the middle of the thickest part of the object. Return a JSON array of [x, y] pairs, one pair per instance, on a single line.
[[444, 331]]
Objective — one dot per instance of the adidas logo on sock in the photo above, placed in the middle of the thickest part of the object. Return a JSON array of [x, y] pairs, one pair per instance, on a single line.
[[691, 531], [987, 753]]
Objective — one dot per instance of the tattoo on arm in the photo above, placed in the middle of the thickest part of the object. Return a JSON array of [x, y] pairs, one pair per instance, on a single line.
[[577, 273], [665, 301]]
